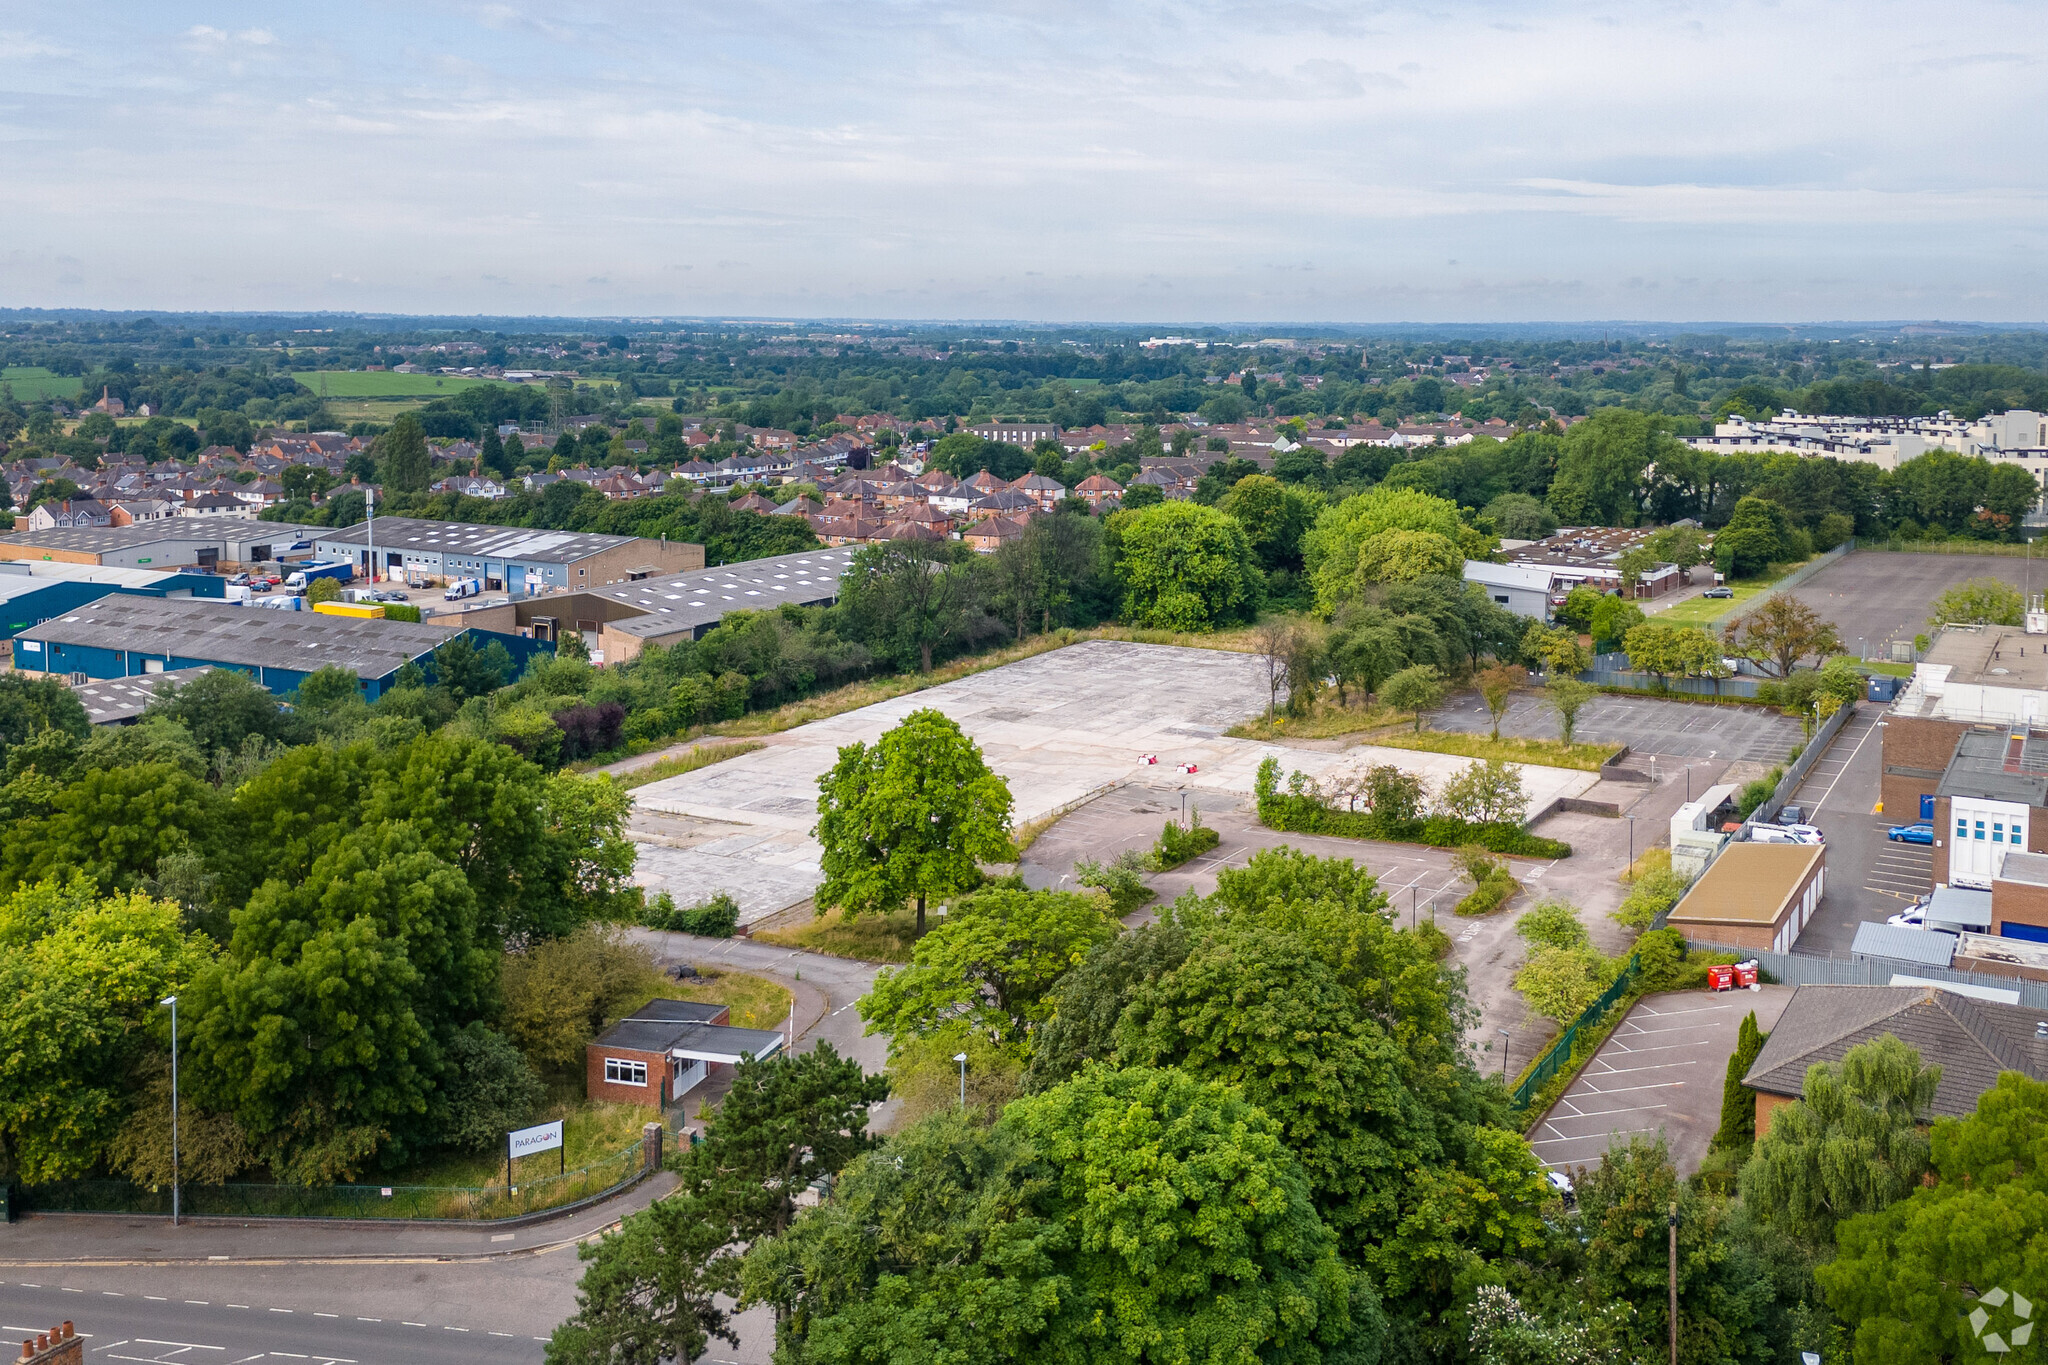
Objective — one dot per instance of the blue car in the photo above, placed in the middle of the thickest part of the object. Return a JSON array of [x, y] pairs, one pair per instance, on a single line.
[[1912, 834]]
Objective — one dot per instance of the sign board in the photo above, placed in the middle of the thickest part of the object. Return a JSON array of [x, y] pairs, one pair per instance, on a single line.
[[541, 1138], [1809, 1358]]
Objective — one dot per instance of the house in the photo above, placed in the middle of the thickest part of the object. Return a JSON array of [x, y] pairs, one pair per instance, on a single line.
[[1971, 1040], [1023, 434], [1047, 493], [668, 1048], [109, 404], [219, 505], [1098, 488], [992, 533], [470, 486], [1754, 896], [128, 511], [53, 516]]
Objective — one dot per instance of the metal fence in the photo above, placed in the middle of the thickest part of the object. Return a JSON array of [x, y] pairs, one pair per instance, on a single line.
[[344, 1201], [1816, 969], [1790, 580], [1798, 768], [1745, 688], [1560, 1053]]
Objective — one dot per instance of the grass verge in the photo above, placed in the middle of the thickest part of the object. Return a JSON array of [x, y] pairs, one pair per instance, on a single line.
[[1489, 896], [1026, 834], [756, 1002], [1652, 860], [703, 756], [1547, 753], [871, 938], [1698, 611], [1327, 721], [591, 1132]]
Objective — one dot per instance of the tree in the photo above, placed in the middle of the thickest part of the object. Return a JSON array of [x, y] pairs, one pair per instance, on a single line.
[[1633, 563], [1682, 546], [1567, 696], [1671, 651], [1612, 618], [1780, 632], [489, 1090], [1991, 601], [1552, 923], [1183, 567], [1559, 983], [1908, 1277], [1400, 556], [1738, 1102], [82, 976], [652, 1290], [560, 992], [1414, 688], [1851, 1144], [1600, 470], [1497, 689], [989, 966], [407, 466], [911, 817], [220, 709], [1489, 792], [30, 705], [1557, 651], [322, 590], [1758, 534], [466, 671], [1332, 549], [910, 597], [1518, 516], [115, 825], [1274, 515]]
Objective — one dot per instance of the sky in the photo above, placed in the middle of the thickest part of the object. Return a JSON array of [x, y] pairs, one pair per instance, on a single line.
[[1166, 163]]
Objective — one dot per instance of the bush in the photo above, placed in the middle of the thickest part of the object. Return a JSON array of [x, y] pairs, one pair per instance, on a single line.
[[401, 611], [489, 1090], [718, 917], [1178, 842], [1758, 792], [1668, 965], [1489, 896], [1653, 894], [1553, 923], [588, 730], [1301, 810], [1119, 879]]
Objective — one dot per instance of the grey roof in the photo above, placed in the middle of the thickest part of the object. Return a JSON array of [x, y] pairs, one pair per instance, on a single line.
[[1980, 769], [1970, 1040], [685, 1027], [126, 698], [189, 628], [1959, 905], [700, 597], [484, 542], [100, 539], [1926, 947], [2031, 869]]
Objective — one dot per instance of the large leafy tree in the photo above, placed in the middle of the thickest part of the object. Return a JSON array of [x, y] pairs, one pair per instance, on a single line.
[[115, 825], [402, 451], [908, 598], [655, 1289], [30, 705], [1333, 548], [1183, 566], [990, 967], [911, 817], [1990, 601], [1599, 478], [82, 976], [1780, 633], [1908, 1276], [1274, 515], [1852, 1144], [220, 710]]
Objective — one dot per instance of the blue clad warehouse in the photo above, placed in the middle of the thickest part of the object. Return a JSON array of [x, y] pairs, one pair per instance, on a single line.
[[123, 635], [509, 559], [27, 601]]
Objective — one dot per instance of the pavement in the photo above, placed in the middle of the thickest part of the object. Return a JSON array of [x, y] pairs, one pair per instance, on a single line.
[[1661, 1070], [1646, 724], [1876, 598]]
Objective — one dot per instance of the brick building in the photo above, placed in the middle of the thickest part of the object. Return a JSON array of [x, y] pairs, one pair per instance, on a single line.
[[668, 1048], [1754, 896]]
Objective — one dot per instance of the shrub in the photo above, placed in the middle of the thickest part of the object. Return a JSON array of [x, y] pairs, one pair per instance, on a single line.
[[1668, 965], [1758, 792], [717, 917], [1489, 896], [1119, 879], [1653, 894], [1553, 923], [401, 611], [1559, 983], [588, 730], [1300, 809], [1178, 842]]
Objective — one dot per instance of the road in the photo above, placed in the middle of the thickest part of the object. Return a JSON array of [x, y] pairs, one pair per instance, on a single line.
[[1869, 877]]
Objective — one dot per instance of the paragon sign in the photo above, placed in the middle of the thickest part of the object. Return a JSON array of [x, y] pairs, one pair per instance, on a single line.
[[541, 1138]]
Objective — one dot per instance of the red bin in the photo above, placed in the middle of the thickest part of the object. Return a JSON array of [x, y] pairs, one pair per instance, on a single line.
[[1745, 975], [1720, 978]]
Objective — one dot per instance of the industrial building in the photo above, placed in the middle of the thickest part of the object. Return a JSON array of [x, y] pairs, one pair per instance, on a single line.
[[510, 559], [120, 700], [620, 620], [176, 543], [1754, 896], [33, 593], [123, 635]]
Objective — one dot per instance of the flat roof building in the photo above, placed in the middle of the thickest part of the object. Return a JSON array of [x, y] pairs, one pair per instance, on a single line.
[[120, 700], [516, 560], [667, 1048], [175, 543], [1754, 896], [121, 636]]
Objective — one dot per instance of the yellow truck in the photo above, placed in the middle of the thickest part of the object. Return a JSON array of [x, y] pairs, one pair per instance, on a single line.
[[362, 611]]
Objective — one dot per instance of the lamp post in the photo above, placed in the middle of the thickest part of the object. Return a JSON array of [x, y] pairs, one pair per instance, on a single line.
[[1503, 1054], [172, 1001], [1631, 841], [1673, 1263], [961, 1058]]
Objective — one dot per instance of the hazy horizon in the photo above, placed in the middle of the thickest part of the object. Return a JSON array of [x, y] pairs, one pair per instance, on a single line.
[[1166, 166]]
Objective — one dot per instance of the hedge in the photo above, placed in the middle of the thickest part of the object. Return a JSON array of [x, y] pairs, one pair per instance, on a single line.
[[1178, 843], [1489, 896], [1300, 815]]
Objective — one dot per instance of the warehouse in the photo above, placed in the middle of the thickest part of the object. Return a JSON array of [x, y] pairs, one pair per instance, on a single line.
[[28, 598], [122, 635], [618, 621], [175, 543], [509, 559]]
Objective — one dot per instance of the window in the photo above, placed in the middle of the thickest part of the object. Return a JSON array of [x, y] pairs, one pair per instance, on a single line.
[[1980, 831], [1998, 833], [1962, 829], [619, 1071]]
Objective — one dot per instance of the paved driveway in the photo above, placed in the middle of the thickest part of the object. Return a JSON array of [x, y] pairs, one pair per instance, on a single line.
[[1660, 1071]]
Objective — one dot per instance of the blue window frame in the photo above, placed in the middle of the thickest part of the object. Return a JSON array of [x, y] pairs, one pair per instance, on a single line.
[[1980, 831]]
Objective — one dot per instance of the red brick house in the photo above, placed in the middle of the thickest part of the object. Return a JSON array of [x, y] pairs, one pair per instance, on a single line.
[[666, 1049]]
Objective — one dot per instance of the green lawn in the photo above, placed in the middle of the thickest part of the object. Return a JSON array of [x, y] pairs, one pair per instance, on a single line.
[[384, 384], [1546, 753], [34, 384], [1698, 611]]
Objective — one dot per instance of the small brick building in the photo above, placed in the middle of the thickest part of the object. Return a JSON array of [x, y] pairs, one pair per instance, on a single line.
[[666, 1049], [1754, 896]]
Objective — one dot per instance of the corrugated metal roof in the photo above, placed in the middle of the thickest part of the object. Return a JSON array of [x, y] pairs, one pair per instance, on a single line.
[[126, 698], [1749, 884], [301, 641], [400, 534], [700, 597], [1926, 947]]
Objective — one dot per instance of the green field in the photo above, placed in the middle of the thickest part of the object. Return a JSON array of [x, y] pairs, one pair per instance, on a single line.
[[34, 384], [376, 384]]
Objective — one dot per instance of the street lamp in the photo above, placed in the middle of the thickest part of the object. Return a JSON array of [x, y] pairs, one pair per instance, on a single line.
[[1631, 840], [1503, 1054], [961, 1058], [172, 1001]]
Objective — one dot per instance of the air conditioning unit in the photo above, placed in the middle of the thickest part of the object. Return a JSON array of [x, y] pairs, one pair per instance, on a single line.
[[78, 679]]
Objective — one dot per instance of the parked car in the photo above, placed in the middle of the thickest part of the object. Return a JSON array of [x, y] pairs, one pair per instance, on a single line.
[[1718, 592], [1912, 917], [260, 585], [1912, 834], [1786, 834], [1560, 1185], [240, 580]]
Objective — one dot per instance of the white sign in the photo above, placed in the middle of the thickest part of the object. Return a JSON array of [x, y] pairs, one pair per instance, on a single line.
[[543, 1138]]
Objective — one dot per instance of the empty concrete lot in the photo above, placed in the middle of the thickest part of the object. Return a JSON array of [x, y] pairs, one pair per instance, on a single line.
[[1646, 724], [1661, 1071], [1875, 597], [1059, 728]]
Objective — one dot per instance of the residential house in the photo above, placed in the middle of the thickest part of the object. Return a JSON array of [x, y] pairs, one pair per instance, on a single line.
[[1097, 489], [52, 516]]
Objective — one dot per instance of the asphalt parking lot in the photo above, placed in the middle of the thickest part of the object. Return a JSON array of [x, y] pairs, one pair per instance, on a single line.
[[1875, 597], [1647, 725], [1869, 877], [1660, 1071]]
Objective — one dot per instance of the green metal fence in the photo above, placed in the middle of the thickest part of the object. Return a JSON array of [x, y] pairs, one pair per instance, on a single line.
[[342, 1201], [1560, 1054]]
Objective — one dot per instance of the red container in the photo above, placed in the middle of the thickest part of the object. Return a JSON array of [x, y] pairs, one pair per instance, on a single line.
[[1720, 978], [1745, 975]]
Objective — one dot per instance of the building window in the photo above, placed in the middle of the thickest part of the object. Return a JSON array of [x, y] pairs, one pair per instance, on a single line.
[[1962, 829], [619, 1071]]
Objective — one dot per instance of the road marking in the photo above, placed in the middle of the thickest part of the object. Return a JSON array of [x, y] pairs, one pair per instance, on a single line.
[[504, 1236]]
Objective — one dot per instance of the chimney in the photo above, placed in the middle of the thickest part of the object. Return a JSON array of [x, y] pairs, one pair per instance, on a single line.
[[58, 1346]]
